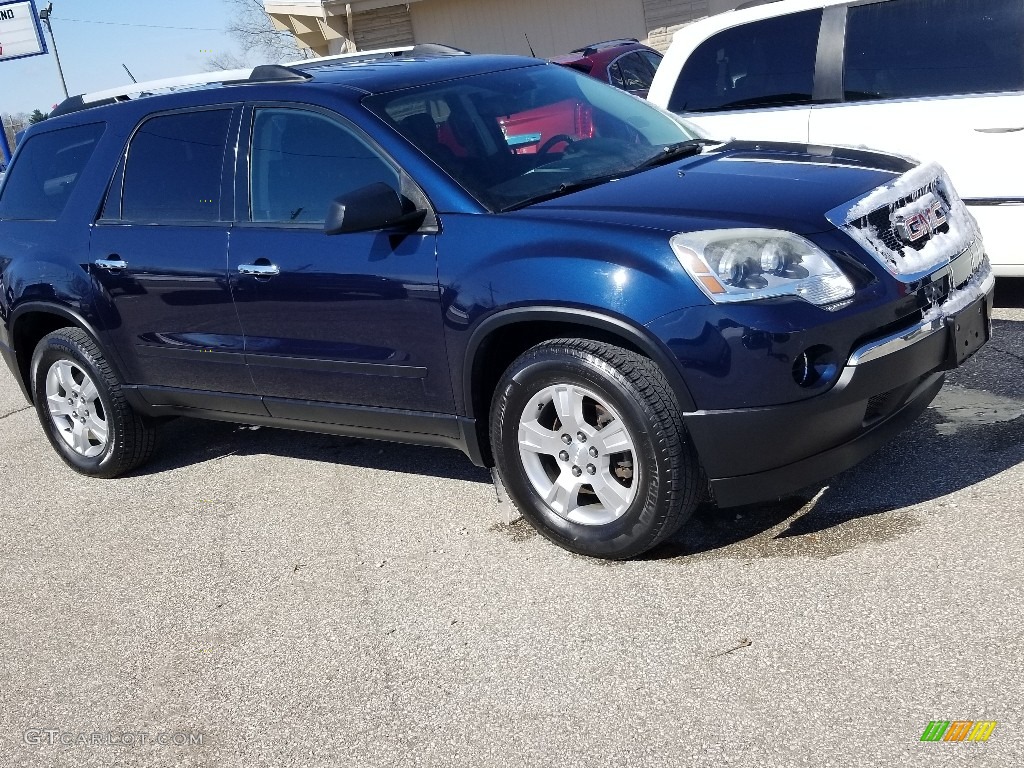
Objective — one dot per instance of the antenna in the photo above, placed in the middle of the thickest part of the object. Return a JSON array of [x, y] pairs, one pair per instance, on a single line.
[[129, 73], [528, 43]]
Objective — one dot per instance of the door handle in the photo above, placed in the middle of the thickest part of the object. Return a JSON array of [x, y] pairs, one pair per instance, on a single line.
[[115, 264], [1013, 129], [259, 270]]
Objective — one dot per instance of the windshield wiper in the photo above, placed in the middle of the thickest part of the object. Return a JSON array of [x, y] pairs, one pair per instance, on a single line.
[[562, 189], [676, 151]]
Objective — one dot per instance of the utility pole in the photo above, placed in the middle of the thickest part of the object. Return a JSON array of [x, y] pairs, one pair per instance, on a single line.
[[44, 16]]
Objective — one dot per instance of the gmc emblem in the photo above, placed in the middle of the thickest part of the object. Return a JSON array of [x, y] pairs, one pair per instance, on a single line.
[[919, 219]]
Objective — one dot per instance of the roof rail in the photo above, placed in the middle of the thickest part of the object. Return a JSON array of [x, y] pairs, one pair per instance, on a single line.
[[264, 73], [421, 50], [587, 50]]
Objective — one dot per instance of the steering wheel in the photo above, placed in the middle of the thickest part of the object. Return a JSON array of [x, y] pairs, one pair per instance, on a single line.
[[558, 138]]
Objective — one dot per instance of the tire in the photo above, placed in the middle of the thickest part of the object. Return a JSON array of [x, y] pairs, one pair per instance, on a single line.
[[550, 421], [83, 410]]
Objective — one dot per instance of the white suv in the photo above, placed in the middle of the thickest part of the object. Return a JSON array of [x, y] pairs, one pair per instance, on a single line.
[[934, 79]]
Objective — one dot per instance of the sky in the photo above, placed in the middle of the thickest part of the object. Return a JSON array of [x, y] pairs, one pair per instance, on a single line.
[[94, 37]]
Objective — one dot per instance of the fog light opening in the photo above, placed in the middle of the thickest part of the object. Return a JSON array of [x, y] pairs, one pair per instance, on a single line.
[[815, 367]]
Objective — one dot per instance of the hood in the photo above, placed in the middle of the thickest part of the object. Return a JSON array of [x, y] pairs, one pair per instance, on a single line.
[[779, 186]]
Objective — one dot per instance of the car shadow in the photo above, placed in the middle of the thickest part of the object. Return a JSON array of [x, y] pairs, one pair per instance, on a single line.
[[186, 442], [973, 431]]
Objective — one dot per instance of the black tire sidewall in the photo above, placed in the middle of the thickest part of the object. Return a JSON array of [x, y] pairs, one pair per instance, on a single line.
[[631, 533], [51, 350]]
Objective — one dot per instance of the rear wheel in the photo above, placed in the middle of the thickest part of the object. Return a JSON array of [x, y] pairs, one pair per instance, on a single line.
[[590, 445], [83, 410]]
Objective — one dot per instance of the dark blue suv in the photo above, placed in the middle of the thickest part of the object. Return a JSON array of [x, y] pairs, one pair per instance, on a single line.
[[622, 322]]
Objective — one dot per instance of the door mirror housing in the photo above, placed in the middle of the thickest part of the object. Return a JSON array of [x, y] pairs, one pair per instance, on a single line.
[[373, 207]]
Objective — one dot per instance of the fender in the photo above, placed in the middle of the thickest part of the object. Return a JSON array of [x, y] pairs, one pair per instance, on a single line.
[[75, 318], [617, 326]]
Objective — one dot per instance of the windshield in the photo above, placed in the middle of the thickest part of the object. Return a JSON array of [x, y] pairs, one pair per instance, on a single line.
[[519, 136]]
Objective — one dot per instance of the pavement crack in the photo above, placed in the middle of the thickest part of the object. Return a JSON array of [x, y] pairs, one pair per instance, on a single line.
[[1008, 353], [17, 410], [743, 643]]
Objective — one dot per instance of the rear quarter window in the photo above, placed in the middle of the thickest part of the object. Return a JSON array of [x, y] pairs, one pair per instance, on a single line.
[[48, 168], [911, 48], [765, 63]]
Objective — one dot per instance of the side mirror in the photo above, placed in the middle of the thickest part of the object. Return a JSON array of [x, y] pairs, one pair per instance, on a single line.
[[373, 207]]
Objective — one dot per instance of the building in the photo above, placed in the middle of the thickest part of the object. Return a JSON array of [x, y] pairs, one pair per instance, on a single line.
[[493, 26]]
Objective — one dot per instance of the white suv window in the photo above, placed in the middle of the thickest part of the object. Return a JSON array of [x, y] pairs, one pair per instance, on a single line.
[[761, 64], [911, 48]]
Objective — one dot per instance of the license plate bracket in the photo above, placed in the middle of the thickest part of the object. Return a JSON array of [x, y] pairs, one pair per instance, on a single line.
[[968, 330]]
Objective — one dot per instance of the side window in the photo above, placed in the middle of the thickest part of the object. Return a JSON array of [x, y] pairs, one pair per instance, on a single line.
[[762, 64], [910, 48], [173, 171], [636, 75], [47, 171], [302, 160], [653, 59]]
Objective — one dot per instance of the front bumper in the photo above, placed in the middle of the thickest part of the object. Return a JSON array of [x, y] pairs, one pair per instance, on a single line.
[[755, 454]]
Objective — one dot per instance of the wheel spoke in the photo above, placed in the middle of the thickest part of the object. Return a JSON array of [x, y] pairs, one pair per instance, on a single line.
[[97, 428], [64, 377], [568, 402], [58, 405], [79, 439], [537, 438], [88, 391], [561, 496], [613, 495], [614, 437]]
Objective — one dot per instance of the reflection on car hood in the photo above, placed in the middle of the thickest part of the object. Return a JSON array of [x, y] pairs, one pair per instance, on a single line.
[[782, 186]]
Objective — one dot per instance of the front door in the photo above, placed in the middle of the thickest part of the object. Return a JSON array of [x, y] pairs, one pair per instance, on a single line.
[[349, 319]]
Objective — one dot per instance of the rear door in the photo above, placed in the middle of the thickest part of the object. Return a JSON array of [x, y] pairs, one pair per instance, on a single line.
[[159, 253], [941, 80], [347, 319]]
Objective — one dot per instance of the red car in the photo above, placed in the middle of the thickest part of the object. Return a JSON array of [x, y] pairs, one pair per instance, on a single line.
[[626, 64]]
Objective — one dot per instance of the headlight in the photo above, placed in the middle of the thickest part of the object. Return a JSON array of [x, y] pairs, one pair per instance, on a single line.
[[748, 264]]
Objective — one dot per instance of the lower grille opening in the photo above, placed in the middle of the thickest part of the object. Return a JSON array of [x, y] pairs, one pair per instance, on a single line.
[[885, 404]]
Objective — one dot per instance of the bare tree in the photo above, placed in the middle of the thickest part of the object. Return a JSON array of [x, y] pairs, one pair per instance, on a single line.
[[260, 42], [12, 124]]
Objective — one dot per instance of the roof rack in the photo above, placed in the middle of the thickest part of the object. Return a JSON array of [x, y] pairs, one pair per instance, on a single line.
[[595, 47], [420, 50], [264, 73]]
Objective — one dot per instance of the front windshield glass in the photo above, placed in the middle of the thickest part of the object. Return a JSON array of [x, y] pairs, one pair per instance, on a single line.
[[523, 135]]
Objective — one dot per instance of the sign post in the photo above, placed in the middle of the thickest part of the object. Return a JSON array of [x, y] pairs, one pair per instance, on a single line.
[[20, 35]]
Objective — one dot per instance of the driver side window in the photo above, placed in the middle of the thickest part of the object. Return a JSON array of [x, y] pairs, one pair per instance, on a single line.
[[302, 160]]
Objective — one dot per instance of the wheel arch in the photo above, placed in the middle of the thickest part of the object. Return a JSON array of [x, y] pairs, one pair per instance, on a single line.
[[33, 320], [505, 335]]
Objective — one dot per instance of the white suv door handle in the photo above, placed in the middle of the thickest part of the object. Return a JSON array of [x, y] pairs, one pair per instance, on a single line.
[[1000, 130], [259, 270], [112, 265]]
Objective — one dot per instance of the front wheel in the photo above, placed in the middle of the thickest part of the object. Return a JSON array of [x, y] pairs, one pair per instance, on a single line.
[[590, 445], [82, 408]]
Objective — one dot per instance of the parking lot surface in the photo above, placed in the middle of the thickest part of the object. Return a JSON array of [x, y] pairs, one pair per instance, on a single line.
[[257, 597]]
